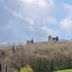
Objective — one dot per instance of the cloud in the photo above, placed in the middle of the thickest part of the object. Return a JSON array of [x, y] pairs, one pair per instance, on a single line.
[[68, 8], [30, 21], [66, 22], [37, 2], [51, 20], [42, 3], [25, 19], [14, 13], [66, 25], [36, 9], [49, 31]]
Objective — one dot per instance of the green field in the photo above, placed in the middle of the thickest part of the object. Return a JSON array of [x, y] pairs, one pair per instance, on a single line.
[[68, 70]]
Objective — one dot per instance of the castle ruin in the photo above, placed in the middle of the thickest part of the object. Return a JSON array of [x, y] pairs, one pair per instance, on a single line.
[[53, 39], [50, 40], [30, 41]]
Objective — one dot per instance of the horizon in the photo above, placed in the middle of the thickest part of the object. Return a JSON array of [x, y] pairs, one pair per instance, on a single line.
[[22, 20]]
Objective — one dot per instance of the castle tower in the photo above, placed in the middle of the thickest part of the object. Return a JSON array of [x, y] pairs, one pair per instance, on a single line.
[[52, 39], [49, 38], [30, 42]]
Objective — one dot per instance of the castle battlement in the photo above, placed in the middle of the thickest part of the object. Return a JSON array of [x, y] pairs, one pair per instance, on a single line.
[[53, 39], [50, 40]]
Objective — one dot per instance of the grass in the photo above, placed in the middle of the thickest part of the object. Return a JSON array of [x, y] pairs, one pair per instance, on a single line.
[[68, 70]]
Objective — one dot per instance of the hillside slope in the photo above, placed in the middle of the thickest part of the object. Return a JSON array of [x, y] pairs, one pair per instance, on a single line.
[[42, 57]]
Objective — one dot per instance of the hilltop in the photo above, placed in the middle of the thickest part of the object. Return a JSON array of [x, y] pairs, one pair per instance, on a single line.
[[41, 56]]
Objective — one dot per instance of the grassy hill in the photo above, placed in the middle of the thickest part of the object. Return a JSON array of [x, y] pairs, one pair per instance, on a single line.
[[69, 70], [42, 57]]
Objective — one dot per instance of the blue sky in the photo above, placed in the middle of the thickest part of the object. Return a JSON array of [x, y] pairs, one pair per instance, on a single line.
[[22, 20]]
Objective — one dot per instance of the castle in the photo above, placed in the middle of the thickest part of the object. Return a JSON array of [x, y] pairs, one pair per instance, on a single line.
[[50, 40], [29, 42], [53, 39]]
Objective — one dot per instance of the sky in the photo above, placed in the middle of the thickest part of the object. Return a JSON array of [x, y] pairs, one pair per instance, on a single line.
[[22, 20]]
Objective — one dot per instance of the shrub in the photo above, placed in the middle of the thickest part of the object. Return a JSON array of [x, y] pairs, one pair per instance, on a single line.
[[27, 68]]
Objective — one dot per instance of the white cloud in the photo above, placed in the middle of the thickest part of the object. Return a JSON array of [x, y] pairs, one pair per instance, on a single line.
[[31, 28], [27, 1], [17, 14], [49, 31], [66, 25], [27, 18], [37, 2], [37, 9], [31, 21], [14, 13], [68, 8], [42, 3], [51, 20]]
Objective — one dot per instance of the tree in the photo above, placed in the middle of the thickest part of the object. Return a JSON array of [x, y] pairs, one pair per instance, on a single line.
[[27, 68]]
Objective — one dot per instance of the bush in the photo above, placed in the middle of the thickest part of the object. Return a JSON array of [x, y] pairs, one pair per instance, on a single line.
[[27, 68]]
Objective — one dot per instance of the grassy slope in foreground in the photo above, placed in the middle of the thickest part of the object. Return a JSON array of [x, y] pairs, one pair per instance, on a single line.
[[68, 70]]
